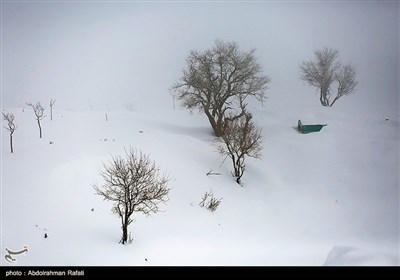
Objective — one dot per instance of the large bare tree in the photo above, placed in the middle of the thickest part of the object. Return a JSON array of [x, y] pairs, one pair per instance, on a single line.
[[38, 109], [134, 184], [242, 138], [218, 82], [11, 127], [324, 71]]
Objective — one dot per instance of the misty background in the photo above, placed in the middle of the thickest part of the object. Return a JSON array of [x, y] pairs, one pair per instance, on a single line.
[[114, 55]]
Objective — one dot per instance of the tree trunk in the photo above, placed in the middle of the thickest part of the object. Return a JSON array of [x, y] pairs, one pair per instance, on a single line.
[[40, 129], [326, 101], [238, 171], [51, 113], [234, 165], [124, 238], [11, 145], [125, 224], [334, 100], [217, 128], [323, 99], [221, 125]]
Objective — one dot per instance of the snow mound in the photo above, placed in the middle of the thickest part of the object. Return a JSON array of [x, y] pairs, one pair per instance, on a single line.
[[352, 256]]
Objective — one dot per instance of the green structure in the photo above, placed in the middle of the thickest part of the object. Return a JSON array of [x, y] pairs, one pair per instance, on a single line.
[[309, 127]]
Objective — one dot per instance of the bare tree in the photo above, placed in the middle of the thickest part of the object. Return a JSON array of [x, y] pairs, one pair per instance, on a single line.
[[242, 138], [346, 79], [324, 71], [133, 183], [218, 81], [38, 109], [52, 101], [11, 127]]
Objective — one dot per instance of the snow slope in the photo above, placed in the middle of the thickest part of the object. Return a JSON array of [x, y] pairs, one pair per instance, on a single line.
[[328, 198]]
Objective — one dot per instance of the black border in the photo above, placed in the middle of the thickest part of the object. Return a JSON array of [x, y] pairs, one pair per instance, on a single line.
[[206, 271]]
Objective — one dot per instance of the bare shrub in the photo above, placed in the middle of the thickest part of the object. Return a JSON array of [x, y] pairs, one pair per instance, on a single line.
[[209, 201]]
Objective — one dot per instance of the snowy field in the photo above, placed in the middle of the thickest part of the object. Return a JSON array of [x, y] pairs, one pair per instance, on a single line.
[[327, 198]]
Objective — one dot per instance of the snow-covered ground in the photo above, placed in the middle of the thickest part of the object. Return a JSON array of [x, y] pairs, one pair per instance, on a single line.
[[328, 198]]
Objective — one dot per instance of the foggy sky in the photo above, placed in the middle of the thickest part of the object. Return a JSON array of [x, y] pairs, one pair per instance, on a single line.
[[113, 54]]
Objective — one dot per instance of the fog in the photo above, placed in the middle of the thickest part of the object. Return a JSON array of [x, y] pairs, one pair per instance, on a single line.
[[109, 55]]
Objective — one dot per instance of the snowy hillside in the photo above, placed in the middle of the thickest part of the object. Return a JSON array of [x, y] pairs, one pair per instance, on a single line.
[[327, 198]]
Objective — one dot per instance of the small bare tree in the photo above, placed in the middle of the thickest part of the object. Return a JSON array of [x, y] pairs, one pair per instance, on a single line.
[[242, 138], [11, 127], [324, 71], [133, 183], [219, 81], [52, 101], [38, 109], [346, 79]]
